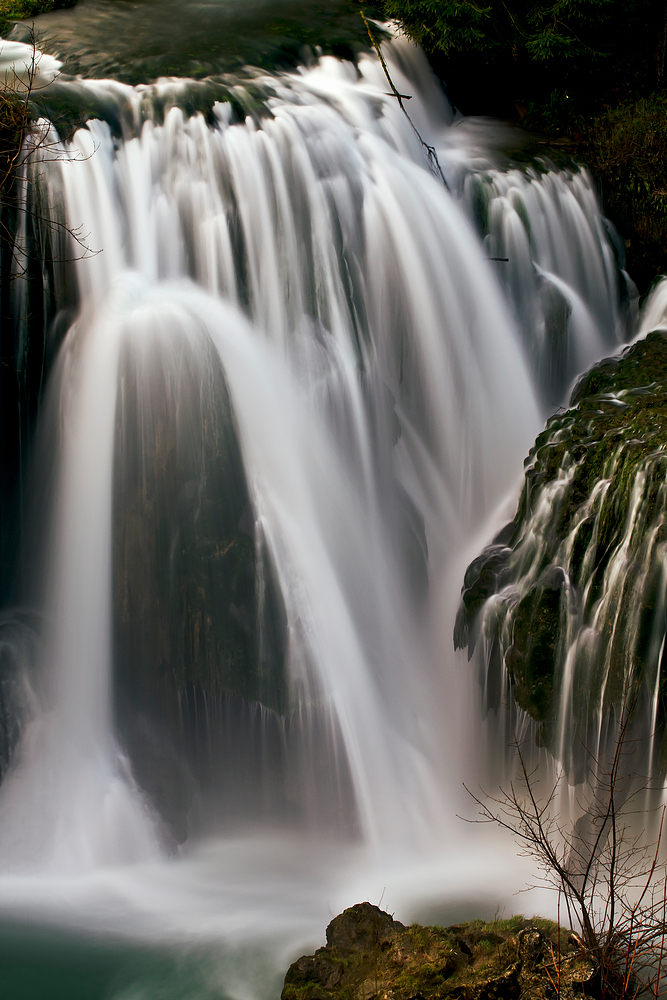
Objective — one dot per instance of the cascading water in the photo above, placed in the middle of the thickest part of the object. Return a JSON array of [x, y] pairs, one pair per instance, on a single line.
[[294, 391], [68, 801], [565, 610], [562, 270]]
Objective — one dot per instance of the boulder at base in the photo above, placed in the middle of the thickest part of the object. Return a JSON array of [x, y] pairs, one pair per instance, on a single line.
[[368, 954]]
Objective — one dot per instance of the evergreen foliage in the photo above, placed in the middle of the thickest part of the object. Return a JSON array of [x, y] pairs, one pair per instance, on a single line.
[[540, 32], [509, 56], [564, 29], [626, 149]]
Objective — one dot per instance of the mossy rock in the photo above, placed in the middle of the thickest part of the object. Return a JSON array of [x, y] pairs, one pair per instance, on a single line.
[[577, 575], [369, 954]]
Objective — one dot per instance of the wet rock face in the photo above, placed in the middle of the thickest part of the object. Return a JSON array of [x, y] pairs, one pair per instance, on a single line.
[[369, 954], [567, 609], [199, 634]]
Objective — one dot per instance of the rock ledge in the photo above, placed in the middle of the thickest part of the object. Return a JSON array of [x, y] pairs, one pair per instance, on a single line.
[[370, 955]]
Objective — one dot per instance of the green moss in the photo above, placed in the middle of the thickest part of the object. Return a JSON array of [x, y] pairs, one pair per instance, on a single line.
[[532, 657], [512, 924], [477, 960], [594, 491]]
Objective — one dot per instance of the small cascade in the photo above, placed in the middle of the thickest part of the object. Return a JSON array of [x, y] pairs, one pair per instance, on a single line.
[[558, 260], [294, 389], [654, 311]]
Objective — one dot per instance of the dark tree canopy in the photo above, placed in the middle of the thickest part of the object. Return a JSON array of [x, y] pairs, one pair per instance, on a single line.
[[566, 29], [525, 49]]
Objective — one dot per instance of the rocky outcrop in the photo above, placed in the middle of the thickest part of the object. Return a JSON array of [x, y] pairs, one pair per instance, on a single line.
[[567, 608], [368, 954]]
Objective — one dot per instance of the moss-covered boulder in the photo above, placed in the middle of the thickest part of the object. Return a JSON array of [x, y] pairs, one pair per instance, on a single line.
[[368, 954], [567, 607]]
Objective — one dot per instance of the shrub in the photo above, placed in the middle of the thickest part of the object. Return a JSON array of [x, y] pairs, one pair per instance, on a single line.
[[17, 10], [611, 880]]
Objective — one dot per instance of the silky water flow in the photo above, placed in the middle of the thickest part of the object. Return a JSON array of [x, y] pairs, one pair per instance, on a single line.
[[296, 397]]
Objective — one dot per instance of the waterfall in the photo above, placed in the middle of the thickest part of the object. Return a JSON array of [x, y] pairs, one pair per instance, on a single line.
[[68, 801], [295, 389], [562, 273]]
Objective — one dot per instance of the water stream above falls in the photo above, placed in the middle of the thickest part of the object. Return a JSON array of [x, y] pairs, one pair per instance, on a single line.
[[140, 41], [289, 395]]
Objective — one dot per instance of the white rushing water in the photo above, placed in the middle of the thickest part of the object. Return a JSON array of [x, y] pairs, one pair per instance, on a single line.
[[561, 272], [69, 802], [385, 380]]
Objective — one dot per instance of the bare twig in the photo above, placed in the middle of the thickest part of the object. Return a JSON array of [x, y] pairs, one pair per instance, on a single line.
[[612, 881], [23, 143], [430, 150]]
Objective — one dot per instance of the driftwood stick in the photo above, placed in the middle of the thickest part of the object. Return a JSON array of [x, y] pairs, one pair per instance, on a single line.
[[430, 150]]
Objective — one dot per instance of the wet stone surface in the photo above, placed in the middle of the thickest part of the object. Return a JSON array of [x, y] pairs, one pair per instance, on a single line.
[[577, 577]]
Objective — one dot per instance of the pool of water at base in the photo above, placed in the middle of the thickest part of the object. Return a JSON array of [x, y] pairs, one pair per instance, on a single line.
[[225, 921]]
